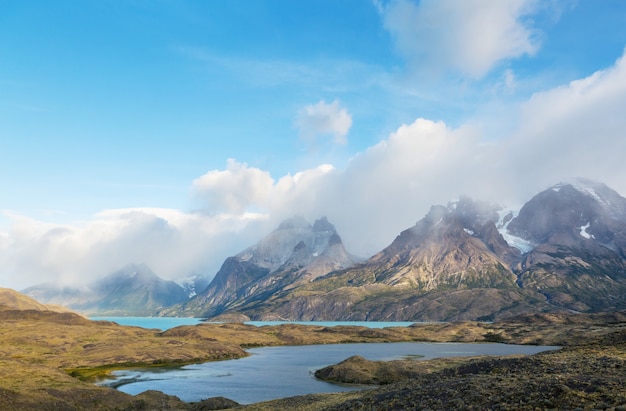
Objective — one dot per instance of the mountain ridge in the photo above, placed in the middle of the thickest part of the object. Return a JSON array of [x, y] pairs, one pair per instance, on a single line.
[[133, 290], [293, 254], [456, 263], [564, 250]]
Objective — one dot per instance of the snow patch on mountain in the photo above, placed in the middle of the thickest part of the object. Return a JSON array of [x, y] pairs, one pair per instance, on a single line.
[[584, 233], [589, 190], [506, 216]]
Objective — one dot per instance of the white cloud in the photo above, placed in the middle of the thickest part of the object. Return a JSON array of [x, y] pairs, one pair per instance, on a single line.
[[323, 119], [235, 189], [572, 130], [241, 189], [575, 130], [173, 243], [462, 36]]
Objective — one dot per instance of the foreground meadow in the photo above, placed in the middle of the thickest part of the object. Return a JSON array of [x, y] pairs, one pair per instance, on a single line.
[[49, 360]]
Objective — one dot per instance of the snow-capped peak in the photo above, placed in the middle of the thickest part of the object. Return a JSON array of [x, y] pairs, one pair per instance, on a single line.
[[586, 187]]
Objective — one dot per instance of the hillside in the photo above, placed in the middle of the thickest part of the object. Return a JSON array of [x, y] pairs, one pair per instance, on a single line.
[[13, 300]]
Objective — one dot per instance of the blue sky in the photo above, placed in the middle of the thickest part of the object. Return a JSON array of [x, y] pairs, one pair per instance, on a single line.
[[207, 122]]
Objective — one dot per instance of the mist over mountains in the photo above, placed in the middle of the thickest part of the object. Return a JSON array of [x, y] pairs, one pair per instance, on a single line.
[[131, 291], [565, 249]]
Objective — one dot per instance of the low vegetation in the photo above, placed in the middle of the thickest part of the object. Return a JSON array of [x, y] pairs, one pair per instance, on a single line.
[[50, 359]]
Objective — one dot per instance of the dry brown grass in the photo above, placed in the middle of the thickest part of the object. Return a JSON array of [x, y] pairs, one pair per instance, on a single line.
[[39, 348]]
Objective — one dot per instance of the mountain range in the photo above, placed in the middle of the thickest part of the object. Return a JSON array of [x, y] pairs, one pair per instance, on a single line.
[[131, 291], [564, 250], [293, 255]]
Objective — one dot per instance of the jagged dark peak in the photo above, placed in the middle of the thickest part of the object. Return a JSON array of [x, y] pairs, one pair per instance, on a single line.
[[435, 215], [334, 240], [464, 214], [300, 246], [295, 222], [323, 225], [474, 213]]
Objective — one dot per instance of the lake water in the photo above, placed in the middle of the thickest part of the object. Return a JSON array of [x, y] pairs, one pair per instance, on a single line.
[[278, 372], [164, 323]]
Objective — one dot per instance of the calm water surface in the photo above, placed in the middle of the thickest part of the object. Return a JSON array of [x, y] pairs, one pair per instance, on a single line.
[[164, 323], [278, 372]]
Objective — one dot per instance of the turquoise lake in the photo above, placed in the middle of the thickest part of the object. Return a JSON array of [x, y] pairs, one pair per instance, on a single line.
[[164, 323]]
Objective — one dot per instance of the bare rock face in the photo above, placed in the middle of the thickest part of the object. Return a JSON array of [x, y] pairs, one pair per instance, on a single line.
[[569, 213], [457, 247], [293, 254]]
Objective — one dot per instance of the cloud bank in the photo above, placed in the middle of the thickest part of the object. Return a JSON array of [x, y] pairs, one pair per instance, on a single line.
[[174, 243]]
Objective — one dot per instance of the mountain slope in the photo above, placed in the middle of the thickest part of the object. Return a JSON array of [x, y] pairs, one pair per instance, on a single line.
[[451, 248], [579, 259], [293, 254], [453, 264], [133, 290], [13, 300]]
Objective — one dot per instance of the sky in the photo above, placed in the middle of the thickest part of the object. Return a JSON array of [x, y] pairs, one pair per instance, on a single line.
[[178, 133]]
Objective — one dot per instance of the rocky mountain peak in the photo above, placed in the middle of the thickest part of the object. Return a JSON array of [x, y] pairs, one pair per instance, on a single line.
[[473, 213], [294, 223], [295, 253], [610, 201], [137, 274], [453, 246], [294, 235], [570, 214], [459, 218], [133, 290], [322, 225]]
